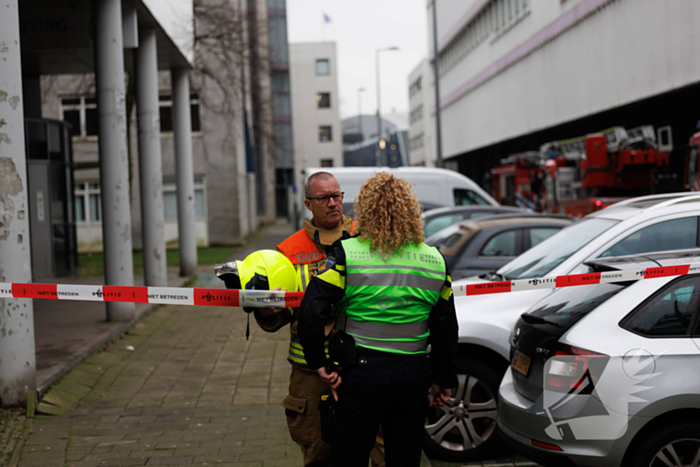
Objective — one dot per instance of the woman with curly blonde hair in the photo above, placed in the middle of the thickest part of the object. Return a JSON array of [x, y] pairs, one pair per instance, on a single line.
[[388, 214], [393, 298]]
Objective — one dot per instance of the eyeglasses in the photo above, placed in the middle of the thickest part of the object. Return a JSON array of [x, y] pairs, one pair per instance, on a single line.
[[324, 199]]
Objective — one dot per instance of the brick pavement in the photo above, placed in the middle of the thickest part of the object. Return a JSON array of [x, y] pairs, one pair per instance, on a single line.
[[193, 391], [12, 424]]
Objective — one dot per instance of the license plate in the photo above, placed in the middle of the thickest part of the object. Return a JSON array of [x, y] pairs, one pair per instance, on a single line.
[[521, 362]]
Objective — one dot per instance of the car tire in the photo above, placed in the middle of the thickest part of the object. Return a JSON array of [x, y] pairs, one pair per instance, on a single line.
[[673, 445], [465, 429]]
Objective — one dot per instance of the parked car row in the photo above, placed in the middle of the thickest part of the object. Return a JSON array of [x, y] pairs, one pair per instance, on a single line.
[[591, 375], [596, 375]]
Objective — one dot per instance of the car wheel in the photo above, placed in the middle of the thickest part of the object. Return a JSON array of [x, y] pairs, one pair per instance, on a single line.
[[677, 445], [465, 428]]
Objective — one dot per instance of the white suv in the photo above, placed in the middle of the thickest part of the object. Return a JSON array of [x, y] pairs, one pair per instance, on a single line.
[[466, 427]]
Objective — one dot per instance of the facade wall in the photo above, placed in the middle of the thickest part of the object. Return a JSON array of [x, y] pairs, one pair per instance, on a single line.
[[309, 149], [85, 152], [225, 191], [281, 105], [556, 61], [421, 123]]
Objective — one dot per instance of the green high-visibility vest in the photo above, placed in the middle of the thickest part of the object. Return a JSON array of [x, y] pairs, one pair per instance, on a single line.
[[387, 303]]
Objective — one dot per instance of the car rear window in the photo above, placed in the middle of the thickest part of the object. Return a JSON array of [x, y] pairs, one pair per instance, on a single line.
[[567, 306], [669, 313], [438, 238], [464, 197], [438, 223], [502, 244]]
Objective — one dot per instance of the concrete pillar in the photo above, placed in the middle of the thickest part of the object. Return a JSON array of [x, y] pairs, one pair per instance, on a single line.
[[150, 161], [18, 364], [114, 160], [182, 134]]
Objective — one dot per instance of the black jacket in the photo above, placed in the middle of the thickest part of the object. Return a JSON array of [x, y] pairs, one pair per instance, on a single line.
[[321, 295]]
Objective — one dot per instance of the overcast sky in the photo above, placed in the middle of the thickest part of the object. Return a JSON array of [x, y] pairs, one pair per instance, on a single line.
[[359, 28]]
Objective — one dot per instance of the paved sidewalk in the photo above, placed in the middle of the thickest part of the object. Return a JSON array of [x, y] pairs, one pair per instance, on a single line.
[[65, 332], [192, 391]]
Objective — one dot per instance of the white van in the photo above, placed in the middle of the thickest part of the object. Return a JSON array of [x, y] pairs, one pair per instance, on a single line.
[[434, 187]]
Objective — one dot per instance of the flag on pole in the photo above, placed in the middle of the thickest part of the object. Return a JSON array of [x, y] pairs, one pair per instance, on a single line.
[[326, 18]]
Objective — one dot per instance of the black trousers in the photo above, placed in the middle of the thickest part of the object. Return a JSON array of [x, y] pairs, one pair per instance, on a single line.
[[391, 390]]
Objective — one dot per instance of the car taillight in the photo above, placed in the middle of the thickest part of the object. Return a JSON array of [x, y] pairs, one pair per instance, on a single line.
[[540, 444], [574, 368]]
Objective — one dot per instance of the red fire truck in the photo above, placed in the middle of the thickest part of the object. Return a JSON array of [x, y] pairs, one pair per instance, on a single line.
[[581, 175], [692, 175]]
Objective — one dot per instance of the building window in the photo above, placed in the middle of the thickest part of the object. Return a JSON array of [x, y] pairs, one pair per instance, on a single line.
[[81, 113], [416, 142], [280, 81], [326, 162], [324, 134], [415, 87], [166, 113], [495, 18], [416, 114], [170, 199], [323, 67], [281, 105], [87, 202], [324, 100]]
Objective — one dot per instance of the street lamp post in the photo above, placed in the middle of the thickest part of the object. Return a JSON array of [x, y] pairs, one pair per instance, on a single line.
[[379, 104], [359, 111], [436, 72]]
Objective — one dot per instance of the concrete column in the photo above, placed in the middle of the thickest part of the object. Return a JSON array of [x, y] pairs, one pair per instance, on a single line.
[[18, 364], [114, 160], [150, 161], [182, 134]]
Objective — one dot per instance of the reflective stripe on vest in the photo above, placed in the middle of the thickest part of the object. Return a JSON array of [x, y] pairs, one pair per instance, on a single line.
[[380, 331], [394, 280], [387, 303], [412, 347], [304, 276], [296, 351]]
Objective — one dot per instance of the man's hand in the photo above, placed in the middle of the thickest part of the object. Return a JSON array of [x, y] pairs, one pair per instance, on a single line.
[[331, 379], [438, 396], [270, 312]]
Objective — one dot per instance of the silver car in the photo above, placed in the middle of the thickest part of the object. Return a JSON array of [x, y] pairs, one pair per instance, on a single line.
[[609, 374], [465, 428]]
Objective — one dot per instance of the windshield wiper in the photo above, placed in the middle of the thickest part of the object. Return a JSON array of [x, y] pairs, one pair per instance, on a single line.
[[534, 319], [494, 274]]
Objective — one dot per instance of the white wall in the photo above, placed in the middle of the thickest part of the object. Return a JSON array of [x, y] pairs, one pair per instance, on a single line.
[[563, 61], [307, 117]]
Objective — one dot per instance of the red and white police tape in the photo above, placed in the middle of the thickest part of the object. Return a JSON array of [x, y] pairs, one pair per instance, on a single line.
[[155, 295], [553, 282], [265, 298]]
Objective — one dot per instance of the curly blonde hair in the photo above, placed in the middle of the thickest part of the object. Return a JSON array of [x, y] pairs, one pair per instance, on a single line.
[[388, 214]]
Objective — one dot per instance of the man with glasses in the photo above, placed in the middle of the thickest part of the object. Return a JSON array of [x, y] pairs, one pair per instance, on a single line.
[[306, 249]]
